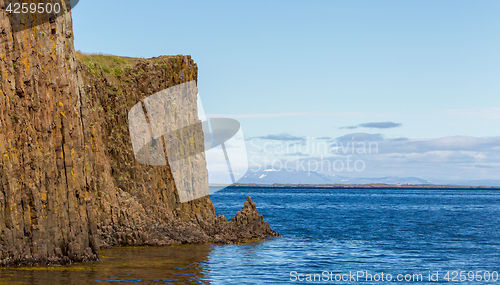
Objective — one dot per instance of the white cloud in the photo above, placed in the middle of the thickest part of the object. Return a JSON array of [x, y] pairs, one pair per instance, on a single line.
[[457, 157]]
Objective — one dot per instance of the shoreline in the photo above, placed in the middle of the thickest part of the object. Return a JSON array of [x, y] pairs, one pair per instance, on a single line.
[[362, 186]]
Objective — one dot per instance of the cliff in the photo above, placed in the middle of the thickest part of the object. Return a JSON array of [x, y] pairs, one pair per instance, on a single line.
[[69, 181]]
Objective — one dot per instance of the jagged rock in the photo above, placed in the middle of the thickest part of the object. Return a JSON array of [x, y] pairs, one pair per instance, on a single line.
[[251, 223]]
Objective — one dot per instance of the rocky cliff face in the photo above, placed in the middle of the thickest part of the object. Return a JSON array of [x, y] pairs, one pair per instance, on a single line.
[[69, 183]]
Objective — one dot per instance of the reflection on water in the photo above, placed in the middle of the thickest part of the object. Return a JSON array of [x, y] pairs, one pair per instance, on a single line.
[[143, 265], [335, 230]]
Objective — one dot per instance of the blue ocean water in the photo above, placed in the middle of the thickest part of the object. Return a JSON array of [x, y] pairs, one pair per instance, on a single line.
[[332, 236], [364, 232]]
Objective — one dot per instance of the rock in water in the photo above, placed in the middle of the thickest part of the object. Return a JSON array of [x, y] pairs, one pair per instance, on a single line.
[[250, 222]]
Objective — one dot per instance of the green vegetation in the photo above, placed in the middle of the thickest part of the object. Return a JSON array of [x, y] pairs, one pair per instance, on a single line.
[[117, 71], [110, 64]]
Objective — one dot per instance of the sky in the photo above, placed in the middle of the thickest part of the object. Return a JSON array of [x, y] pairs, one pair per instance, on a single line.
[[421, 79]]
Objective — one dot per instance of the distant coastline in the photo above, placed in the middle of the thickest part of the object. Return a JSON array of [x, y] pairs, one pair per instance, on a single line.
[[357, 186]]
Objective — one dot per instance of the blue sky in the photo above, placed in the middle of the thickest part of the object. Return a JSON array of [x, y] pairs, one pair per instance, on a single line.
[[309, 69]]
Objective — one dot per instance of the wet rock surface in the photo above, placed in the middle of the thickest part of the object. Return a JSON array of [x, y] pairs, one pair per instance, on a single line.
[[69, 183]]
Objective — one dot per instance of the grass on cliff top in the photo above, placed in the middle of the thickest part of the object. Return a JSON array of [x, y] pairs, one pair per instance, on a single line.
[[111, 64]]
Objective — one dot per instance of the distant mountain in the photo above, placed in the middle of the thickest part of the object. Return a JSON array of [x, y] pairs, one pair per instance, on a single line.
[[284, 177], [384, 180], [270, 176]]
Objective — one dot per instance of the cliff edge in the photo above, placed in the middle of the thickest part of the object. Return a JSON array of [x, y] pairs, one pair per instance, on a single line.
[[69, 183]]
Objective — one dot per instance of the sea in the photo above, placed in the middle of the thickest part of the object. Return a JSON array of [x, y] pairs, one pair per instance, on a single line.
[[329, 236]]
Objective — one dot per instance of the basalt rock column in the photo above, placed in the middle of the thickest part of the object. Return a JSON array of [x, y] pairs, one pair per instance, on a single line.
[[46, 209]]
